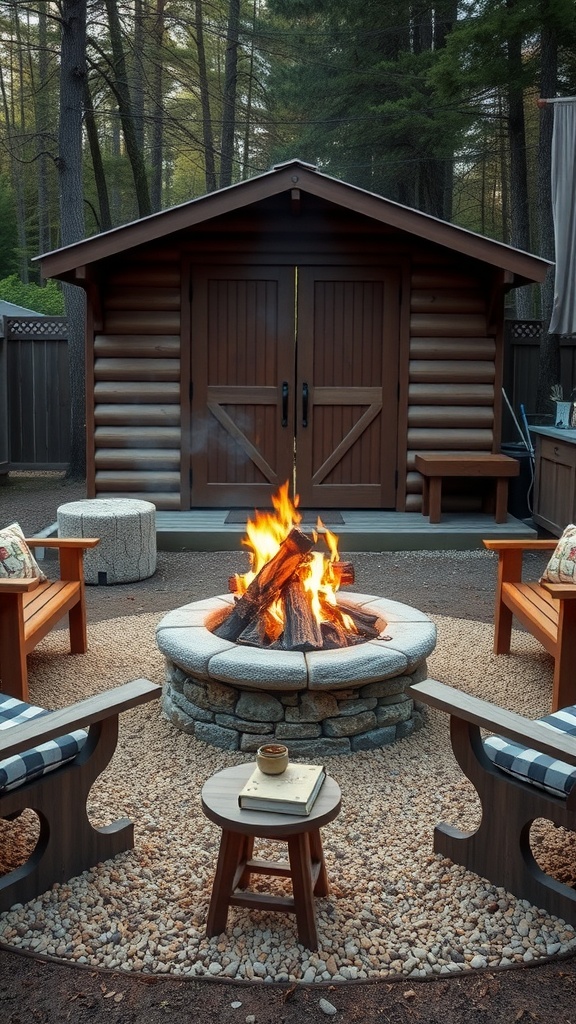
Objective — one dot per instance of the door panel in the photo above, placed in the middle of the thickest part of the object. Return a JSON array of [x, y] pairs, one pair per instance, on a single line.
[[294, 376], [242, 354], [347, 376]]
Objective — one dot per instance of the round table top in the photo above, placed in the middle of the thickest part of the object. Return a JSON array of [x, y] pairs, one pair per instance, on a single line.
[[220, 804]]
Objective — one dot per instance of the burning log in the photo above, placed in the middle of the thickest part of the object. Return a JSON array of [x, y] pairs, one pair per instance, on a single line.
[[301, 630], [334, 636], [267, 586], [365, 622], [343, 576]]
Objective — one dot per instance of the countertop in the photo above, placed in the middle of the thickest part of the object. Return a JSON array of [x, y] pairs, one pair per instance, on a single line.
[[558, 433]]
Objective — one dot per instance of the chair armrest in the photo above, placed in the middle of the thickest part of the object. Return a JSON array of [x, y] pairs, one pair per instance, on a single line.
[[80, 715], [520, 545], [62, 542], [561, 591], [70, 554], [489, 716], [19, 586]]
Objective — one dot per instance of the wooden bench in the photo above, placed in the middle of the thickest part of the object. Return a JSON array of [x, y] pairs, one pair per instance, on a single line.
[[434, 467], [546, 610], [30, 608], [68, 843]]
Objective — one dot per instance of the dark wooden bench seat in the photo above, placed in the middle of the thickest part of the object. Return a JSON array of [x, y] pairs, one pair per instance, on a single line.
[[434, 466], [29, 609], [546, 610], [499, 849]]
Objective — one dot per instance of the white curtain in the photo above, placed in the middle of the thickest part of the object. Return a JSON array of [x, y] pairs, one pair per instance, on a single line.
[[563, 319]]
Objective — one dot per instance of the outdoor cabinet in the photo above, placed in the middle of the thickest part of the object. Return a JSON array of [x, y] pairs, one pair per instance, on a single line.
[[555, 480]]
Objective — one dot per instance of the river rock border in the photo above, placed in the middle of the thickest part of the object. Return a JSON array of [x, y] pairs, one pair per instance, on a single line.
[[318, 703]]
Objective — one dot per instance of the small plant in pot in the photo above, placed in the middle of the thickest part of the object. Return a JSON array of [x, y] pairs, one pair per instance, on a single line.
[[564, 410]]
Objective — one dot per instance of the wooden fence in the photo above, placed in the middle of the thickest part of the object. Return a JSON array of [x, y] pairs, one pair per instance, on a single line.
[[35, 393], [521, 355], [34, 371]]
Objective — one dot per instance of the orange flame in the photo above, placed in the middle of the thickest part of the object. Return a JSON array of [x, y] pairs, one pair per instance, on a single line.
[[264, 536]]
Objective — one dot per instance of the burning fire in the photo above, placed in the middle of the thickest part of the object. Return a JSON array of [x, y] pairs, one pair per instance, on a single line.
[[317, 571]]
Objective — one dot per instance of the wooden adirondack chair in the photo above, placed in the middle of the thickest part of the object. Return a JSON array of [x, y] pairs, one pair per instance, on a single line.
[[499, 849], [68, 843]]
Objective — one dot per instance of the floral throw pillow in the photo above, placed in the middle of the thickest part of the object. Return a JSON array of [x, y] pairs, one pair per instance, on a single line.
[[16, 559], [562, 566]]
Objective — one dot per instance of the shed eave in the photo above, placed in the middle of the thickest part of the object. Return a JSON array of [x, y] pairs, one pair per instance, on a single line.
[[62, 263]]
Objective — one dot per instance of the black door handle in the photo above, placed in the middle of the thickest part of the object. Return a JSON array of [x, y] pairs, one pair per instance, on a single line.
[[304, 405], [285, 403]]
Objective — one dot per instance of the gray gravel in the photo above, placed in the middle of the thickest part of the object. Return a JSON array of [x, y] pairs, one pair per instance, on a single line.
[[394, 909]]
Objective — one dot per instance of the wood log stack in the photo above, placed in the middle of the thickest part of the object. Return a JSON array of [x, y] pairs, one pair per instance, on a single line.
[[280, 580]]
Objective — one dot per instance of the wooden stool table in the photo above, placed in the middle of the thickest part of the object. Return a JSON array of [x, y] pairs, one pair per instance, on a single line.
[[235, 863], [434, 467]]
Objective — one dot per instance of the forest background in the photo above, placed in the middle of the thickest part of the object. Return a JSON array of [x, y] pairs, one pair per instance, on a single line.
[[111, 110]]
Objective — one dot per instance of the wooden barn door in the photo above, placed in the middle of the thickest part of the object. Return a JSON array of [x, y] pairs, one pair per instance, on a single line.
[[294, 377], [347, 387], [242, 368]]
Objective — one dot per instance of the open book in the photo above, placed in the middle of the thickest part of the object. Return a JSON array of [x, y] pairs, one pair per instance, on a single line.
[[292, 792]]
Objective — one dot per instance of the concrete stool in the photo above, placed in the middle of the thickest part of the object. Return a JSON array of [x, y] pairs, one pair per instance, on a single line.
[[127, 530]]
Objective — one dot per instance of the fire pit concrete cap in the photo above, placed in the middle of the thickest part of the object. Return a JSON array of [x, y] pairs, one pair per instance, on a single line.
[[185, 638]]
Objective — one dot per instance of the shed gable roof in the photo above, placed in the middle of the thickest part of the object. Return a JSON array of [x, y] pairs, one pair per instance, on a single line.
[[64, 262]]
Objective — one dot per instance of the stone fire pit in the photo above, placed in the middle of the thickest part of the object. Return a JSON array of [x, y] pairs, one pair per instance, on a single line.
[[318, 703]]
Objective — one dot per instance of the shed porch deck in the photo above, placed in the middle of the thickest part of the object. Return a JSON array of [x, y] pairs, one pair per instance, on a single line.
[[206, 530]]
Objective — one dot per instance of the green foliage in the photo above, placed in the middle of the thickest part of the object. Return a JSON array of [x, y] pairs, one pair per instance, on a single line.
[[353, 85], [48, 300], [9, 232]]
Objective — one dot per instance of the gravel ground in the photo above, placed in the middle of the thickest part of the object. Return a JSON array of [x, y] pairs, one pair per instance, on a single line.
[[395, 910], [425, 920]]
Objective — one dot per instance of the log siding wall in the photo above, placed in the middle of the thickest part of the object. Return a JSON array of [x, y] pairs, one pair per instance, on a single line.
[[451, 372], [137, 397]]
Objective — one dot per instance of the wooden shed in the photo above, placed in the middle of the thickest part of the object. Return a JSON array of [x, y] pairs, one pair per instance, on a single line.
[[290, 327]]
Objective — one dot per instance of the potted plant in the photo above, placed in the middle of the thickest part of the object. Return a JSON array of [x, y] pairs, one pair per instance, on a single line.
[[563, 414]]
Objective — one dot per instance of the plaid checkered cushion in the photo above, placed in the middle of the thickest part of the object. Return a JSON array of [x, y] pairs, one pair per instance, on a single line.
[[554, 776], [37, 761]]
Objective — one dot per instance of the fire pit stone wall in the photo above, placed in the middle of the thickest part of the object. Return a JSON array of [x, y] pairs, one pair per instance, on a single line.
[[319, 703]]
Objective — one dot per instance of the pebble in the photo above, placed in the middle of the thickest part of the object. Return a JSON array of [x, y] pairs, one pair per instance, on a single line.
[[328, 1008]]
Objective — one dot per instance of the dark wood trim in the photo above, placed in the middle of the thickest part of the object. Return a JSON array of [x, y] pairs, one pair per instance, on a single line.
[[404, 344], [279, 181], [90, 398]]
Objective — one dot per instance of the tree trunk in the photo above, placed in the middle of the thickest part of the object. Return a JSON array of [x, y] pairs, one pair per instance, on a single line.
[[104, 217], [157, 106], [122, 94], [42, 121], [519, 206], [7, 89], [69, 162], [137, 75], [229, 100], [549, 361], [209, 159]]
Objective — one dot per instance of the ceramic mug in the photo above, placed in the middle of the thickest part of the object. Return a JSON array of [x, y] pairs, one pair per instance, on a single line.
[[272, 758]]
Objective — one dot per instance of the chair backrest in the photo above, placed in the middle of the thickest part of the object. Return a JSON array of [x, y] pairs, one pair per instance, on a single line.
[[41, 759]]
